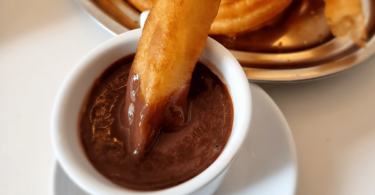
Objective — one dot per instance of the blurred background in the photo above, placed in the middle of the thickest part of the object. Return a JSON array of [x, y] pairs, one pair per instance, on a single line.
[[332, 119]]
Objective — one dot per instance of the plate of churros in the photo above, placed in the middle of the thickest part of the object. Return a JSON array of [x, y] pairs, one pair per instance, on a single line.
[[274, 40]]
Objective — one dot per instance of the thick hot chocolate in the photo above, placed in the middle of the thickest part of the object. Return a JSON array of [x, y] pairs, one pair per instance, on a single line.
[[181, 151]]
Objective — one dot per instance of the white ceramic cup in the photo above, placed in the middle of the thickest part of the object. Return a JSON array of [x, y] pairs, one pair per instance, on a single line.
[[66, 112]]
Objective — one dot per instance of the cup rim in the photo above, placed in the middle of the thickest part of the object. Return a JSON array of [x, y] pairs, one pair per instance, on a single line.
[[71, 167]]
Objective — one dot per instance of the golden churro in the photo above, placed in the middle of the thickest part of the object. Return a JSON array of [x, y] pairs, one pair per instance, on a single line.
[[142, 5], [173, 39], [346, 18], [236, 16], [239, 16]]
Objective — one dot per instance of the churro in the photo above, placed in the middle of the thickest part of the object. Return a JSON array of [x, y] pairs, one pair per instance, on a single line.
[[346, 19], [172, 41], [236, 16]]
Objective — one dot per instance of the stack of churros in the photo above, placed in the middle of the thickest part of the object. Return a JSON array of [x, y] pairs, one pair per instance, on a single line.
[[235, 16], [345, 17]]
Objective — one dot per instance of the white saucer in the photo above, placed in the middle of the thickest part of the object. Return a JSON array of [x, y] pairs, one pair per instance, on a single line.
[[266, 164]]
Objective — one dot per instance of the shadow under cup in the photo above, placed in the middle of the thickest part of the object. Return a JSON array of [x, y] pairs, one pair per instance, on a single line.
[[66, 112]]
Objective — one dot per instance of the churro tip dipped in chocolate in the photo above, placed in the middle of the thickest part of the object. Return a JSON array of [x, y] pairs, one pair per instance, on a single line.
[[172, 41]]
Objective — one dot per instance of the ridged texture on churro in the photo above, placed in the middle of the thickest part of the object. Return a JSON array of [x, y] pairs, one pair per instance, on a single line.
[[173, 39], [236, 16]]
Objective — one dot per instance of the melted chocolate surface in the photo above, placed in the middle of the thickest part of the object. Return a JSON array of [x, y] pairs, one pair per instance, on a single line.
[[180, 151]]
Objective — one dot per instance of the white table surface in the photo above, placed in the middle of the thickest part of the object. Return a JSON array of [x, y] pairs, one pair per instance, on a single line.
[[332, 120]]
